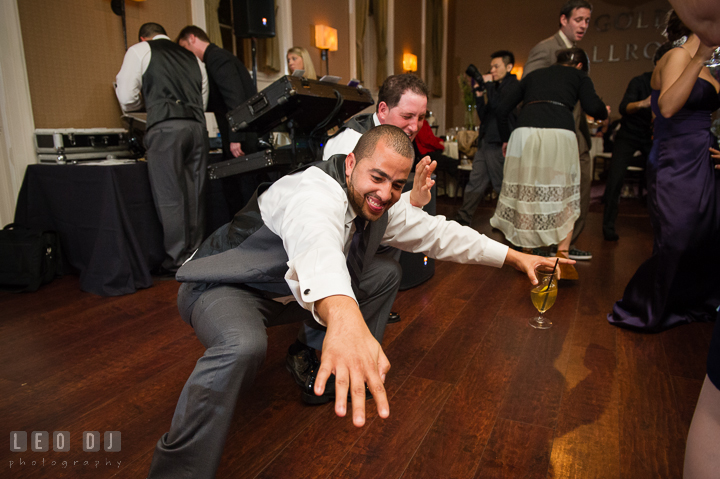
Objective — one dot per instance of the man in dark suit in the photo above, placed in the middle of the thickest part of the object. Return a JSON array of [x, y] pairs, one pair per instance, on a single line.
[[487, 166], [230, 86], [635, 134], [574, 22]]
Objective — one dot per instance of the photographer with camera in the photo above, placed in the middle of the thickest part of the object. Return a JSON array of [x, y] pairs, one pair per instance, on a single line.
[[487, 167]]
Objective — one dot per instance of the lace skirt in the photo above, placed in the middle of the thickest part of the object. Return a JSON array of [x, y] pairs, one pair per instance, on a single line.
[[540, 197]]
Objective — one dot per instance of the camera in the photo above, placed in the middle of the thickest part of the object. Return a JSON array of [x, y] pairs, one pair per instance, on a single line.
[[475, 74]]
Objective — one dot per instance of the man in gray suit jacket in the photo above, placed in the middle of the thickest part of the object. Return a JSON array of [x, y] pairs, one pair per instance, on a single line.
[[574, 22]]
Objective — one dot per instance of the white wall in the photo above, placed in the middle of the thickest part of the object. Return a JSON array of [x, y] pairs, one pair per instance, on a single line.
[[17, 149]]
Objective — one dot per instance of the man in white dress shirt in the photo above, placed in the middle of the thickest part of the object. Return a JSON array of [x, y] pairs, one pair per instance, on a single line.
[[287, 257], [172, 85], [402, 102]]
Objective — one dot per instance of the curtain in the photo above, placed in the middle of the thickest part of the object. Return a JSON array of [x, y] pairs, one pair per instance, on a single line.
[[380, 11], [272, 48], [212, 24], [434, 38], [362, 9]]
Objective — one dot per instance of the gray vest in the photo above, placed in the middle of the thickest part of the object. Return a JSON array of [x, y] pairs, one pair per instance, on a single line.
[[172, 84], [360, 123], [245, 251]]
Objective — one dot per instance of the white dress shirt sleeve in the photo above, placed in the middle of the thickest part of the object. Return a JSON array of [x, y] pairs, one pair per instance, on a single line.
[[308, 211], [205, 84], [128, 82], [341, 144], [412, 229]]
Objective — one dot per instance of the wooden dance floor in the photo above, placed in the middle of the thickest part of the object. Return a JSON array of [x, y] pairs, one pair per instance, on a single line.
[[475, 392]]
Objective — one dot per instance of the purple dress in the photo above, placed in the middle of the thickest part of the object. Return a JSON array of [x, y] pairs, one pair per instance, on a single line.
[[680, 282]]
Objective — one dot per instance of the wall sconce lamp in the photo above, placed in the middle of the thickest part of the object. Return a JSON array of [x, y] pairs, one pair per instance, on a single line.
[[326, 40], [409, 62], [517, 71]]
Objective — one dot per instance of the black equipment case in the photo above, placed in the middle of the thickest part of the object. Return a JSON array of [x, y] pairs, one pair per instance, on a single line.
[[308, 103], [280, 157]]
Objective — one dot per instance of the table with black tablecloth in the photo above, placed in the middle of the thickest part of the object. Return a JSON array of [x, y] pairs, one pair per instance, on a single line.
[[105, 216]]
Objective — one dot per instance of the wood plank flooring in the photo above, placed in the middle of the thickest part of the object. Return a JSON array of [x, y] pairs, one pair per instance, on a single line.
[[475, 391]]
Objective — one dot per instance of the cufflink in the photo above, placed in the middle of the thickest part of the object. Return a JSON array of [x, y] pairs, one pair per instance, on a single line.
[[306, 292]]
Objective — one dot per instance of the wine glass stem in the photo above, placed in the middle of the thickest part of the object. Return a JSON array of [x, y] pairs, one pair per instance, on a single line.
[[541, 320]]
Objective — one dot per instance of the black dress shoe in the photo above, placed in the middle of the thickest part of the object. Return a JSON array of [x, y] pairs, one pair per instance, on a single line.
[[610, 236], [303, 364], [393, 317], [309, 396], [300, 361]]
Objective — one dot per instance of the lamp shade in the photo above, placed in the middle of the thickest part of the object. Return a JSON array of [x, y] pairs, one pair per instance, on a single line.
[[326, 38], [409, 62], [517, 71]]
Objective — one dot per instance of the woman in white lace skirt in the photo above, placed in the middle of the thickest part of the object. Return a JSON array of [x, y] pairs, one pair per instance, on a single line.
[[540, 197]]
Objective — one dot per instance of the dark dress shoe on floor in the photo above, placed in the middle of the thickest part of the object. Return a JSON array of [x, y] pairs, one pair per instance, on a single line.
[[393, 317], [300, 361], [303, 364], [308, 394]]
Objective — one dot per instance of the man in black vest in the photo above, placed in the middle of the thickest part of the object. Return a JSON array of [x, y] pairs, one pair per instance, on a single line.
[[230, 86], [304, 248], [172, 85]]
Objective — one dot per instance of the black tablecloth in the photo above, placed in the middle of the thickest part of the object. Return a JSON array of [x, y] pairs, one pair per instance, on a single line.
[[106, 219]]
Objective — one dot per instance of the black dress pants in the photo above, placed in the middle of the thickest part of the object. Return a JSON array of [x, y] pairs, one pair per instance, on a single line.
[[622, 157]]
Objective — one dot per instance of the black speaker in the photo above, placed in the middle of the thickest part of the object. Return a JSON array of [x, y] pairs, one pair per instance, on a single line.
[[254, 18]]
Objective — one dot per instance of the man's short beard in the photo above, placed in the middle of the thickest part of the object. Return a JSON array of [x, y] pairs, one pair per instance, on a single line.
[[358, 208]]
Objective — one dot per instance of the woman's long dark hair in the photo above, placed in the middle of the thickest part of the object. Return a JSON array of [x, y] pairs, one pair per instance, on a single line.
[[675, 29], [572, 57]]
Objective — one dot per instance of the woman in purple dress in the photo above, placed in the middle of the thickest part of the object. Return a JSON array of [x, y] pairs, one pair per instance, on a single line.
[[679, 283]]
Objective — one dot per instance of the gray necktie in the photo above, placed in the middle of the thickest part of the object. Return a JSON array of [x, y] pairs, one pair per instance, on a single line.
[[356, 255]]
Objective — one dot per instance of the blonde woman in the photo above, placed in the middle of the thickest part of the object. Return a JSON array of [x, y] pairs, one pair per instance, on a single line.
[[299, 59]]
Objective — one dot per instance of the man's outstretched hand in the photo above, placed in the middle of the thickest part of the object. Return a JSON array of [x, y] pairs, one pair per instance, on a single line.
[[528, 262], [354, 356], [421, 193]]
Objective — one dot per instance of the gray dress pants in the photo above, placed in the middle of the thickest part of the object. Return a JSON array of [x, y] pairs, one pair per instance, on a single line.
[[230, 321], [177, 158], [487, 168]]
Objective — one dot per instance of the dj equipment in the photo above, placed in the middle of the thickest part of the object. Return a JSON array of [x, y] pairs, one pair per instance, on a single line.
[[304, 108], [279, 157], [254, 18], [71, 145], [308, 103]]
